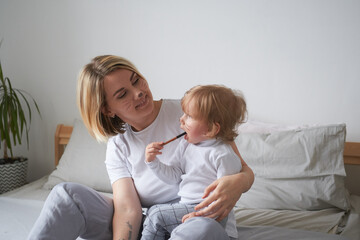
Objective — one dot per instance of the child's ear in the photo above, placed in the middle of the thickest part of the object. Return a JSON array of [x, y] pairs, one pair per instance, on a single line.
[[214, 130]]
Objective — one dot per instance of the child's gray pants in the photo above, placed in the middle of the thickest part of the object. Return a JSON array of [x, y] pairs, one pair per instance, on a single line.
[[162, 219]]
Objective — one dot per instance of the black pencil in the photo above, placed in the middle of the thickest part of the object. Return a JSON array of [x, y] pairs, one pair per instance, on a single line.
[[178, 136]]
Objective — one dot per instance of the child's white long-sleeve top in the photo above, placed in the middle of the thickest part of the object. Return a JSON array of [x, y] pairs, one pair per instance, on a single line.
[[197, 166]]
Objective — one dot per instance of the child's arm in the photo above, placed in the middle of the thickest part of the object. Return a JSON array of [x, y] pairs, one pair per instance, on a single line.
[[166, 173]]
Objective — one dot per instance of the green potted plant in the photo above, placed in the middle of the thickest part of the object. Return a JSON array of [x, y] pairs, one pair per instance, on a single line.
[[15, 119]]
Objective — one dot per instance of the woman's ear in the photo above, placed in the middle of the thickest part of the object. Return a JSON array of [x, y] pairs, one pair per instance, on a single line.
[[107, 112], [214, 130]]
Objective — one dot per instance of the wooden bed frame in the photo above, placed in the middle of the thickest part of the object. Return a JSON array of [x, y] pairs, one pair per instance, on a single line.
[[62, 136], [63, 133]]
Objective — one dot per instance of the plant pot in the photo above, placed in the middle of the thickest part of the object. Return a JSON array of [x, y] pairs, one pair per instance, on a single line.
[[13, 175]]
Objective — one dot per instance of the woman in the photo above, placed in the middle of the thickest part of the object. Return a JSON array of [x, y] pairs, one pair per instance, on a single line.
[[116, 104]]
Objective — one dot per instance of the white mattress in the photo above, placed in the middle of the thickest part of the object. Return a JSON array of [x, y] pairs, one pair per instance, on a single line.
[[20, 208], [326, 220], [31, 191]]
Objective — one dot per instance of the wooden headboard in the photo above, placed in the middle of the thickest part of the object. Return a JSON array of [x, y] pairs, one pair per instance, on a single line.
[[352, 153], [62, 136], [63, 133]]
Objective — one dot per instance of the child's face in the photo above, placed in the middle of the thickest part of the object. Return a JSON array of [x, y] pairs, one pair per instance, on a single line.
[[196, 130]]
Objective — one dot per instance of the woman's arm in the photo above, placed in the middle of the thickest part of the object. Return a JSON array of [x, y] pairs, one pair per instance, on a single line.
[[127, 210], [226, 191]]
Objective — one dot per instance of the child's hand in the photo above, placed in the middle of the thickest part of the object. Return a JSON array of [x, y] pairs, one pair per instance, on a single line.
[[152, 150], [188, 216]]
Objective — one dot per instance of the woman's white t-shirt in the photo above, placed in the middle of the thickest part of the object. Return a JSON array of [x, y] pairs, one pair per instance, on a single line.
[[125, 155]]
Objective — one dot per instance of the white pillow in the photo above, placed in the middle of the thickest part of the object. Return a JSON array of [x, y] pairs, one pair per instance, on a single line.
[[83, 162], [254, 126], [299, 169]]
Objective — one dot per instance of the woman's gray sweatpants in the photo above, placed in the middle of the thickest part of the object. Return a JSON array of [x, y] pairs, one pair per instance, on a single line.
[[73, 210]]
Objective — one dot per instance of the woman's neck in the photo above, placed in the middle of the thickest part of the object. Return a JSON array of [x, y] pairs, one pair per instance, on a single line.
[[141, 125]]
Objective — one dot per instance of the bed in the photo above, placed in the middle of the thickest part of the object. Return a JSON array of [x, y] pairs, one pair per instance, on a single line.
[[299, 181]]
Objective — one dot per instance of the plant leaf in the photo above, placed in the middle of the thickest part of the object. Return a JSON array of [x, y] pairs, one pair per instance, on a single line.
[[13, 118]]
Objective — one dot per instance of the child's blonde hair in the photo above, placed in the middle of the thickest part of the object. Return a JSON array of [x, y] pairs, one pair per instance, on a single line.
[[217, 104]]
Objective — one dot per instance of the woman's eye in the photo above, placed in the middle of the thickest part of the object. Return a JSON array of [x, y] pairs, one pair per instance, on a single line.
[[121, 95], [136, 81]]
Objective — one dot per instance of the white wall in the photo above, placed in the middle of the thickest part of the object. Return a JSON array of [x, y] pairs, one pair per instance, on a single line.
[[295, 61]]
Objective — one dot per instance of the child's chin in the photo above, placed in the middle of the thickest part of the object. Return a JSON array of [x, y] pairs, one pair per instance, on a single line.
[[187, 139]]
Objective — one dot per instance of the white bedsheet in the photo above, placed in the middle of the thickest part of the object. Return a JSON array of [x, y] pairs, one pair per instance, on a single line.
[[20, 208], [352, 227], [32, 191], [325, 221], [17, 217]]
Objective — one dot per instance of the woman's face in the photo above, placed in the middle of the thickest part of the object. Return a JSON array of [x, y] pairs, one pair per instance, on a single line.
[[196, 130], [128, 96]]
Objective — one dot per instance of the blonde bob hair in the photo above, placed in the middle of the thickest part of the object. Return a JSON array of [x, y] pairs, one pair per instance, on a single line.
[[217, 104], [91, 95]]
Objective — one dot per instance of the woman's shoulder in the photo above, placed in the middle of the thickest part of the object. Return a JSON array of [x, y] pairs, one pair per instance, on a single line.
[[118, 139], [115, 140]]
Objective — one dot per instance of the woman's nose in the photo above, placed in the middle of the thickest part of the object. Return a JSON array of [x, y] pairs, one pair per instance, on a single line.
[[138, 93]]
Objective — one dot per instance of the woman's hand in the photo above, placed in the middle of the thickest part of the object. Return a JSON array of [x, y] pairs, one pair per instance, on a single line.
[[225, 192]]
